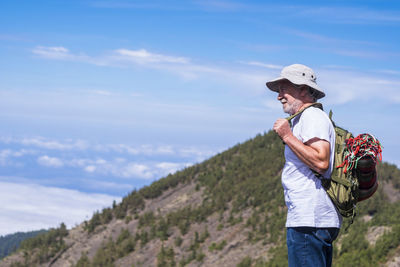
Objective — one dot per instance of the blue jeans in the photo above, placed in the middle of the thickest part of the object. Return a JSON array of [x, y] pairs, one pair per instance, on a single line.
[[310, 246]]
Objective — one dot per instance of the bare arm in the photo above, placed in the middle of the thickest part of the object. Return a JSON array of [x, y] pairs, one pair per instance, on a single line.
[[315, 153]]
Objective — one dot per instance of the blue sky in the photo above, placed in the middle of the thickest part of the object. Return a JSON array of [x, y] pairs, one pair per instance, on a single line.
[[100, 97]]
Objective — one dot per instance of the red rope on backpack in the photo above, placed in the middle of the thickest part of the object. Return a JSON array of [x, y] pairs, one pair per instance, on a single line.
[[359, 147]]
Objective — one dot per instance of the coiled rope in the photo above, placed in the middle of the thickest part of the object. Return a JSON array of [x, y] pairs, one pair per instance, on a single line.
[[361, 146]]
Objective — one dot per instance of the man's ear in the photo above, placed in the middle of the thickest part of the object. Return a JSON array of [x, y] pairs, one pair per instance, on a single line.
[[303, 91]]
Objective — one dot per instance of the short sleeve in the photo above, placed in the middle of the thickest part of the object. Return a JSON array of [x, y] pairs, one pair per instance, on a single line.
[[314, 124]]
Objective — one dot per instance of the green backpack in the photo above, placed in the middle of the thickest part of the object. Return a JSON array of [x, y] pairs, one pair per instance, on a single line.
[[342, 188]]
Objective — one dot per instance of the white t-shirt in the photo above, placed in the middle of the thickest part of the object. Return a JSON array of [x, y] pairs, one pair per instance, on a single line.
[[307, 201]]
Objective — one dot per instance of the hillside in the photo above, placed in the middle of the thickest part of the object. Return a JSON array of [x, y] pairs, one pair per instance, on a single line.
[[9, 243], [226, 211]]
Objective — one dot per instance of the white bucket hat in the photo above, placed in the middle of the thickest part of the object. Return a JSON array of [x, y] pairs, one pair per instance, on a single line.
[[300, 75]]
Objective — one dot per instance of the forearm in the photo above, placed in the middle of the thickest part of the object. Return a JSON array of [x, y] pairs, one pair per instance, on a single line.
[[315, 158], [315, 153]]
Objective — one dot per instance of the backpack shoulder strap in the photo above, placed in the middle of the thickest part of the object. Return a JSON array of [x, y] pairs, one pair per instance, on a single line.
[[290, 118], [330, 117]]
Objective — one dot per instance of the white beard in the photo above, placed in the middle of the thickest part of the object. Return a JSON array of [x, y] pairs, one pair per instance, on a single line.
[[292, 108]]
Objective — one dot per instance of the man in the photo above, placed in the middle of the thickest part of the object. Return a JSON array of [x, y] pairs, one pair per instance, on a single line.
[[312, 220]]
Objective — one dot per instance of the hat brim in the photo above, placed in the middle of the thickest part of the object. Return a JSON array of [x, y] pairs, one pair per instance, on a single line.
[[273, 85]]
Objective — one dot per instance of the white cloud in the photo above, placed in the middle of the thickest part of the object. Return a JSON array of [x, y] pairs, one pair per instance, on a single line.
[[126, 169], [51, 144], [152, 150], [78, 162], [62, 53], [136, 170], [6, 154], [178, 65], [118, 167], [57, 52], [120, 148], [44, 143], [50, 161], [263, 65], [158, 150], [169, 167], [116, 159], [343, 86], [166, 150], [142, 56], [118, 58], [121, 167], [90, 168], [101, 161], [27, 207]]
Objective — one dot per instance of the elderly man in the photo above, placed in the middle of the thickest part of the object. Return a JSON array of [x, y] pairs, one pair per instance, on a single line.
[[312, 222]]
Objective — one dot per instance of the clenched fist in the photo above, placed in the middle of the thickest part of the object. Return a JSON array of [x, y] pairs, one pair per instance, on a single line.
[[282, 128]]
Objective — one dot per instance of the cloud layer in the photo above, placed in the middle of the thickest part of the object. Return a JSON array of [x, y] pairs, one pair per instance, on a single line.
[[27, 207], [344, 85], [108, 160]]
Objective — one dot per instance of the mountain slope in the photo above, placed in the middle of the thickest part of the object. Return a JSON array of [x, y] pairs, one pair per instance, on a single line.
[[226, 211], [11, 242]]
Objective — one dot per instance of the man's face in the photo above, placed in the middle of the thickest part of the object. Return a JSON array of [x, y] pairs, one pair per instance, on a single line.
[[288, 96]]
